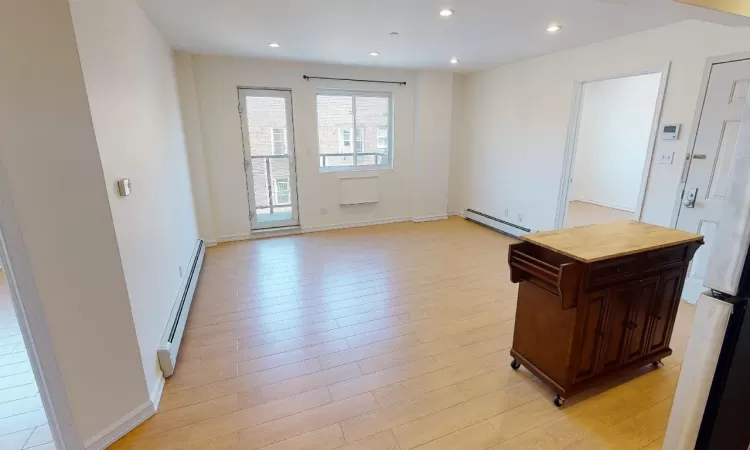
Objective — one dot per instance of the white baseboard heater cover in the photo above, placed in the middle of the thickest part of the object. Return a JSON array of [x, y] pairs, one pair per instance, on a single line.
[[496, 224], [170, 341], [358, 190]]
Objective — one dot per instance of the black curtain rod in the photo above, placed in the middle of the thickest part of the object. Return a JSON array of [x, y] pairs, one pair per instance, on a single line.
[[400, 83]]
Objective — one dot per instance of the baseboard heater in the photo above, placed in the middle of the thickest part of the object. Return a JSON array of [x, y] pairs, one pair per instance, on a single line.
[[502, 226], [170, 341]]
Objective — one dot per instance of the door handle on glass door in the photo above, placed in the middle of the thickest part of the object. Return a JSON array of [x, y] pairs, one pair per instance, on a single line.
[[690, 200]]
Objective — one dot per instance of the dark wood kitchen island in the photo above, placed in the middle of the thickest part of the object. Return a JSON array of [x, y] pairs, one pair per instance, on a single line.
[[596, 301]]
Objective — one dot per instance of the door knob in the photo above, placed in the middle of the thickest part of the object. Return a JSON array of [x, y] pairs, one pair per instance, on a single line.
[[689, 202]]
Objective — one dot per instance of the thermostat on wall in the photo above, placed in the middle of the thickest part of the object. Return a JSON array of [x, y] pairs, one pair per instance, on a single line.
[[670, 132], [124, 187]]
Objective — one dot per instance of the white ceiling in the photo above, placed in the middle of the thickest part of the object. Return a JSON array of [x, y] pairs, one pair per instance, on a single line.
[[481, 33]]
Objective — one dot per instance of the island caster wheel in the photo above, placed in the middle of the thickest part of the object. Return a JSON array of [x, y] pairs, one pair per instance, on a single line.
[[657, 363], [559, 401], [515, 365]]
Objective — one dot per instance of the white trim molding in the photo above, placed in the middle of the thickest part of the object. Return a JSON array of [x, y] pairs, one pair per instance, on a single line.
[[122, 427], [156, 395], [429, 218], [354, 224]]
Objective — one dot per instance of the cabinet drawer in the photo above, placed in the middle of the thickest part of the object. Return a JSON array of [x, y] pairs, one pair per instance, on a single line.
[[665, 257], [613, 271]]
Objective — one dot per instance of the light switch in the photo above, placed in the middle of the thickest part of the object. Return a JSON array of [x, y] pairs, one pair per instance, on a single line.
[[123, 186]]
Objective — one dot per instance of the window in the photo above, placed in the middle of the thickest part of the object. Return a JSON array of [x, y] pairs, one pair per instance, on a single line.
[[278, 141], [281, 194], [354, 129], [382, 138], [359, 140], [345, 140]]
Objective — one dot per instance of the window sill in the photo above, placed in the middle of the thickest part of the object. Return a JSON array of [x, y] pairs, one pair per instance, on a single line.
[[353, 169]]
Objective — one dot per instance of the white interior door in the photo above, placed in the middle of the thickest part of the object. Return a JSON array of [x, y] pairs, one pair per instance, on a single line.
[[268, 136], [708, 178]]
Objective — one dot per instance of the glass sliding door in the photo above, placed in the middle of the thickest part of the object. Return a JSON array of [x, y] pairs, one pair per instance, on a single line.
[[268, 139]]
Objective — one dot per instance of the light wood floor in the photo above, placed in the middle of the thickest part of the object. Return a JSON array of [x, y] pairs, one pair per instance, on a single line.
[[582, 213], [388, 337]]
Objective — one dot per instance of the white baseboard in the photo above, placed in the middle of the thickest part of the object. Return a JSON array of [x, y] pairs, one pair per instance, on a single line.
[[211, 243], [458, 214], [354, 225], [429, 218], [604, 204], [233, 238], [129, 422], [341, 226], [156, 395], [122, 427]]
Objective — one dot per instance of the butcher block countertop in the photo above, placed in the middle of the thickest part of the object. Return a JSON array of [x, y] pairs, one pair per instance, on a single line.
[[609, 240]]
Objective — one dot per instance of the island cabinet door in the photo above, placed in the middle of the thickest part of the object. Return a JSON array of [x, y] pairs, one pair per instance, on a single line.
[[664, 309], [616, 323], [591, 323], [639, 324]]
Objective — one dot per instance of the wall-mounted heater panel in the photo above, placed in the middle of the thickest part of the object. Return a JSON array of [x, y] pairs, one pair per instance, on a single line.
[[170, 341], [358, 190], [496, 224]]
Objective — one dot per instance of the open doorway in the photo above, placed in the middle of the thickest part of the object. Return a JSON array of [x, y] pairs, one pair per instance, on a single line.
[[23, 421], [608, 164]]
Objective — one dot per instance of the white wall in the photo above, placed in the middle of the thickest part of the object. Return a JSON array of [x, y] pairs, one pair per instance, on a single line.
[[56, 219], [456, 167], [191, 119], [214, 80], [613, 139], [433, 110], [517, 117], [130, 81]]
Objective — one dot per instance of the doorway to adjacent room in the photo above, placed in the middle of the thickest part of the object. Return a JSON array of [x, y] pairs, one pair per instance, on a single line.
[[607, 165]]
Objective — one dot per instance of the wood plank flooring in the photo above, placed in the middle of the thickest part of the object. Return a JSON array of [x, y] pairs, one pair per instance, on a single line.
[[386, 337]]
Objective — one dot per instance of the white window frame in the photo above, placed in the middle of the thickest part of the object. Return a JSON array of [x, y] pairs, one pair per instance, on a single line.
[[272, 130], [352, 135]]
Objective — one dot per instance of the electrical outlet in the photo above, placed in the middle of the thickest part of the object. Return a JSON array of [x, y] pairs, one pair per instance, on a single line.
[[324, 211], [520, 218], [665, 158], [180, 268], [506, 212]]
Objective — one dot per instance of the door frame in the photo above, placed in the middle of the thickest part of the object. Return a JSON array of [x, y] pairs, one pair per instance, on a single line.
[[572, 139], [291, 145], [29, 310], [697, 114]]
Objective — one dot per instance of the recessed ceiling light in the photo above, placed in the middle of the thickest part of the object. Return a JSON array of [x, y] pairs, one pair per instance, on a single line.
[[554, 28], [374, 54], [454, 61], [274, 45], [446, 12]]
